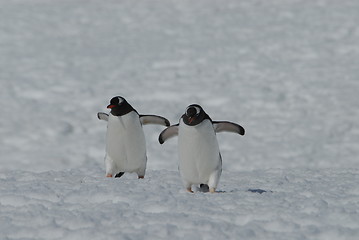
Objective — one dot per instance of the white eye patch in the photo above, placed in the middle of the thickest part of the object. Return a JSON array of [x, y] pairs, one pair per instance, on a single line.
[[120, 100]]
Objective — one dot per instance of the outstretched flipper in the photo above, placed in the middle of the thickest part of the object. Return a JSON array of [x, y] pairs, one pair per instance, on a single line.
[[154, 119], [168, 133], [102, 116], [224, 126]]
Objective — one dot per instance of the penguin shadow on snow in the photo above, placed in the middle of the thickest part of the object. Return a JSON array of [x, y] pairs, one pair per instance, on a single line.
[[204, 188], [251, 190]]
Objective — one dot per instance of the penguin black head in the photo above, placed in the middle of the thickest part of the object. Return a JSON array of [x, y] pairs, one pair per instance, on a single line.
[[119, 106], [194, 115]]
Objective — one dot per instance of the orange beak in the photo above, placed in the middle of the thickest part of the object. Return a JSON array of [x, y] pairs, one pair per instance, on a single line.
[[191, 119], [110, 106]]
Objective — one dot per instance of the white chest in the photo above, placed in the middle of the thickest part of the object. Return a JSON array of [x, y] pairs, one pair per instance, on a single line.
[[198, 151], [125, 142]]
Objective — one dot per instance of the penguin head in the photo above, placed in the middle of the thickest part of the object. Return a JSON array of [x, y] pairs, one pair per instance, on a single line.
[[194, 115], [119, 106]]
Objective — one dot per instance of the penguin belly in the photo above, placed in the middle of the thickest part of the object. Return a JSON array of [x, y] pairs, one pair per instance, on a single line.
[[199, 155], [125, 144]]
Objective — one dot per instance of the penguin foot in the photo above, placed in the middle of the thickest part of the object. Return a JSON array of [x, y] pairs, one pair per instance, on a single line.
[[141, 177], [109, 175], [212, 190], [189, 190]]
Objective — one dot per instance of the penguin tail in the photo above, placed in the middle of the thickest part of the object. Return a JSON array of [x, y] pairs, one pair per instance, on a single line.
[[118, 175], [203, 188]]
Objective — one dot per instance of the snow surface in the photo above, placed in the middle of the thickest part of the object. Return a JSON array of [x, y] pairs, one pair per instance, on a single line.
[[286, 70], [69, 204]]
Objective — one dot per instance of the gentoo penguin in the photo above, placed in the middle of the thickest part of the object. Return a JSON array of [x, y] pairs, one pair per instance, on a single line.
[[125, 140], [200, 161]]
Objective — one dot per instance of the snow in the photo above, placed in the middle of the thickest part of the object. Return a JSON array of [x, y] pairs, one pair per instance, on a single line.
[[286, 70], [297, 204]]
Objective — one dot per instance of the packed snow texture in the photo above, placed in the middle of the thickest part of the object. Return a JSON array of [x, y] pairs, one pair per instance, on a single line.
[[286, 70], [69, 204]]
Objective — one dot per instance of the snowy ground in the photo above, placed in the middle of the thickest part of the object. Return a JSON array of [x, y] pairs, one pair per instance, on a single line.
[[298, 204], [286, 70]]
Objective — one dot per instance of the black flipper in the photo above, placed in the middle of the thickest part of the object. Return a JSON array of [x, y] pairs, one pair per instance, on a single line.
[[224, 126], [102, 116], [154, 119], [118, 175], [168, 133]]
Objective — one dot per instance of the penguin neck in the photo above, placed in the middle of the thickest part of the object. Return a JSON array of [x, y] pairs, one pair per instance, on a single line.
[[122, 110]]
